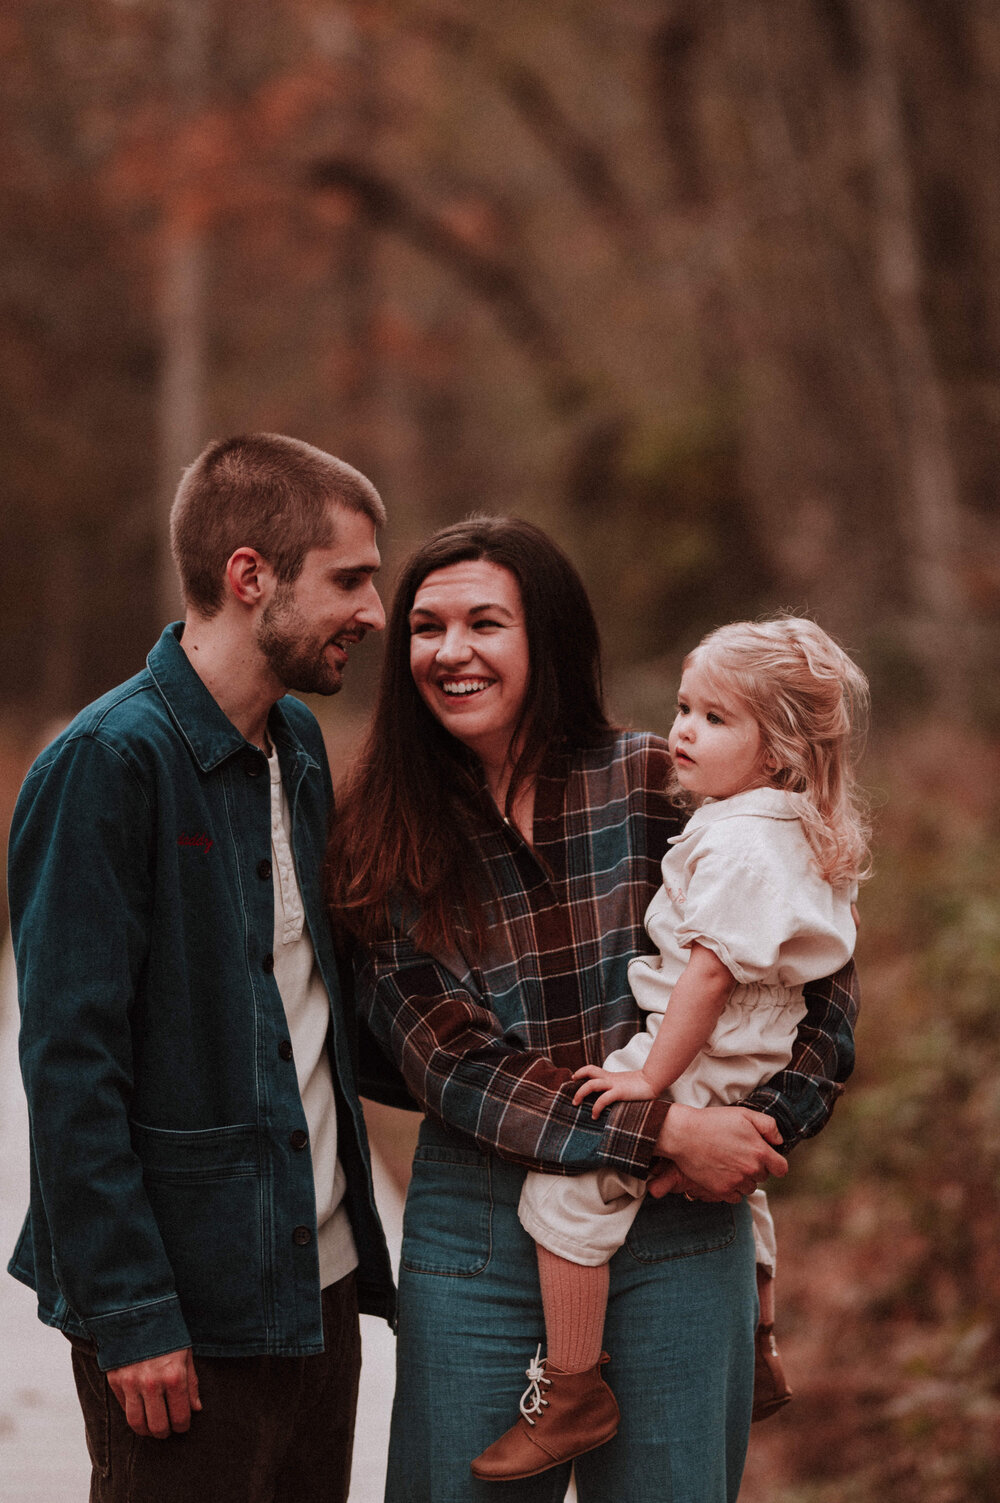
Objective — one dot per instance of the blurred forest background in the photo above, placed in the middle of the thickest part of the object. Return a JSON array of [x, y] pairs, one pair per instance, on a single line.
[[707, 287]]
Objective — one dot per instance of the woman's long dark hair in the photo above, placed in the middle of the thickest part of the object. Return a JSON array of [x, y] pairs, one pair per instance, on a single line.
[[404, 836]]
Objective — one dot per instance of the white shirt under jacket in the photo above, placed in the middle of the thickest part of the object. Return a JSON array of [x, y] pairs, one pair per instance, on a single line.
[[307, 1012]]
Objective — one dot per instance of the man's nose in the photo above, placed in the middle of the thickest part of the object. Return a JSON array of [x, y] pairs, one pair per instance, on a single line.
[[372, 612]]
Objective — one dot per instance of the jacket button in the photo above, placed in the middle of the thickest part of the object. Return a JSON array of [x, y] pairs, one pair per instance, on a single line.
[[253, 763], [267, 964], [285, 1049], [302, 1236], [299, 1138], [263, 870]]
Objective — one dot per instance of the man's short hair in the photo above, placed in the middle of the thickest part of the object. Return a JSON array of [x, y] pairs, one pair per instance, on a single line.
[[262, 491]]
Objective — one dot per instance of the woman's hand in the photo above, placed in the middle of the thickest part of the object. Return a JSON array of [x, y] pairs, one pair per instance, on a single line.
[[616, 1085], [726, 1151]]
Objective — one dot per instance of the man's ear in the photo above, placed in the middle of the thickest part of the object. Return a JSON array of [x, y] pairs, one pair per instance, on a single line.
[[248, 576]]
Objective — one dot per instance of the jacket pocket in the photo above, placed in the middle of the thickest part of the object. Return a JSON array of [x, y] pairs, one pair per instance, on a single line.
[[447, 1227], [206, 1192]]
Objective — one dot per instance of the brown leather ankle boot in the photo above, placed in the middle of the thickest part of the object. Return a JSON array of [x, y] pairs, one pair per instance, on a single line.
[[562, 1415], [770, 1386]]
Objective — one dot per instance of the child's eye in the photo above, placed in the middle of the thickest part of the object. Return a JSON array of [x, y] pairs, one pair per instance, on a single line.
[[682, 708], [714, 719]]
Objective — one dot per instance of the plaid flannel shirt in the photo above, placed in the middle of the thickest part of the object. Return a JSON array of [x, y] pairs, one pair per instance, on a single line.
[[488, 1047]]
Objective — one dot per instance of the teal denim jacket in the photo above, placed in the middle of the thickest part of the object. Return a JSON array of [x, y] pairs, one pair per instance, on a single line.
[[169, 1203]]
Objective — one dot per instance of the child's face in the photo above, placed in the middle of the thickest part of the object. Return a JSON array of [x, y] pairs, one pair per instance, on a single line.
[[714, 741]]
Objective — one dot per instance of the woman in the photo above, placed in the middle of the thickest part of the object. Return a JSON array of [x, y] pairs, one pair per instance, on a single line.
[[496, 856]]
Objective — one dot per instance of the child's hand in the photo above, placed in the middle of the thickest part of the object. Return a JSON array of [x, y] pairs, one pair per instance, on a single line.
[[615, 1085]]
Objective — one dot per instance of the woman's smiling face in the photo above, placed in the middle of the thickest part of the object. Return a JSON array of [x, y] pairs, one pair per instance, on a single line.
[[469, 654]]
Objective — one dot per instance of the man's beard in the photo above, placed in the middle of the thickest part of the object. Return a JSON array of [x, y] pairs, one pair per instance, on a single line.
[[296, 661]]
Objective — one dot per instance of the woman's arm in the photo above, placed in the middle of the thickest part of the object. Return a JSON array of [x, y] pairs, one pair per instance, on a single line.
[[462, 1069], [457, 1063]]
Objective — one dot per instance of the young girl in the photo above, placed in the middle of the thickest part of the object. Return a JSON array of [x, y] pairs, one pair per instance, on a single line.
[[756, 902]]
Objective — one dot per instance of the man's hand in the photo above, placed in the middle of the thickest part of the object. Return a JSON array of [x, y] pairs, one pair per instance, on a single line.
[[615, 1085], [158, 1395], [719, 1152]]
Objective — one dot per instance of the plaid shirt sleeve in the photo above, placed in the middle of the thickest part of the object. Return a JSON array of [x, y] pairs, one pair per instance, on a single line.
[[460, 1066], [802, 1096]]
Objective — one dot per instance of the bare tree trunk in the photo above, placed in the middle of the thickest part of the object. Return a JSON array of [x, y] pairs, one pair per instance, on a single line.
[[932, 518], [181, 401], [182, 295], [379, 412]]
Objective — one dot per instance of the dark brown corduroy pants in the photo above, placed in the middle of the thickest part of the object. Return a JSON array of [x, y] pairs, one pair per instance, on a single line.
[[271, 1430]]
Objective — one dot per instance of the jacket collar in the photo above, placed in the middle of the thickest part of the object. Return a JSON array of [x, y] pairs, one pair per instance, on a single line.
[[199, 718], [769, 803]]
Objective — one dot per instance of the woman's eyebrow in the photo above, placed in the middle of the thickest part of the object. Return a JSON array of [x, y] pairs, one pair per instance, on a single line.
[[473, 610], [489, 606]]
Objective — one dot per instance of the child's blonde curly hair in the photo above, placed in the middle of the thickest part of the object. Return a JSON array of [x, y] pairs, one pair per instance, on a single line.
[[810, 702]]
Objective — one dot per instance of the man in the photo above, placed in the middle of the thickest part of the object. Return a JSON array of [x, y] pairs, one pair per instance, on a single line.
[[202, 1224]]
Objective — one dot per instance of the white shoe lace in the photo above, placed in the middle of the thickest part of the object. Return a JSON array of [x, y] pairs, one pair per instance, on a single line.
[[531, 1399]]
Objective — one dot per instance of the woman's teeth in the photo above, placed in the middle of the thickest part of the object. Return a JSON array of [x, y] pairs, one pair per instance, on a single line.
[[466, 686]]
